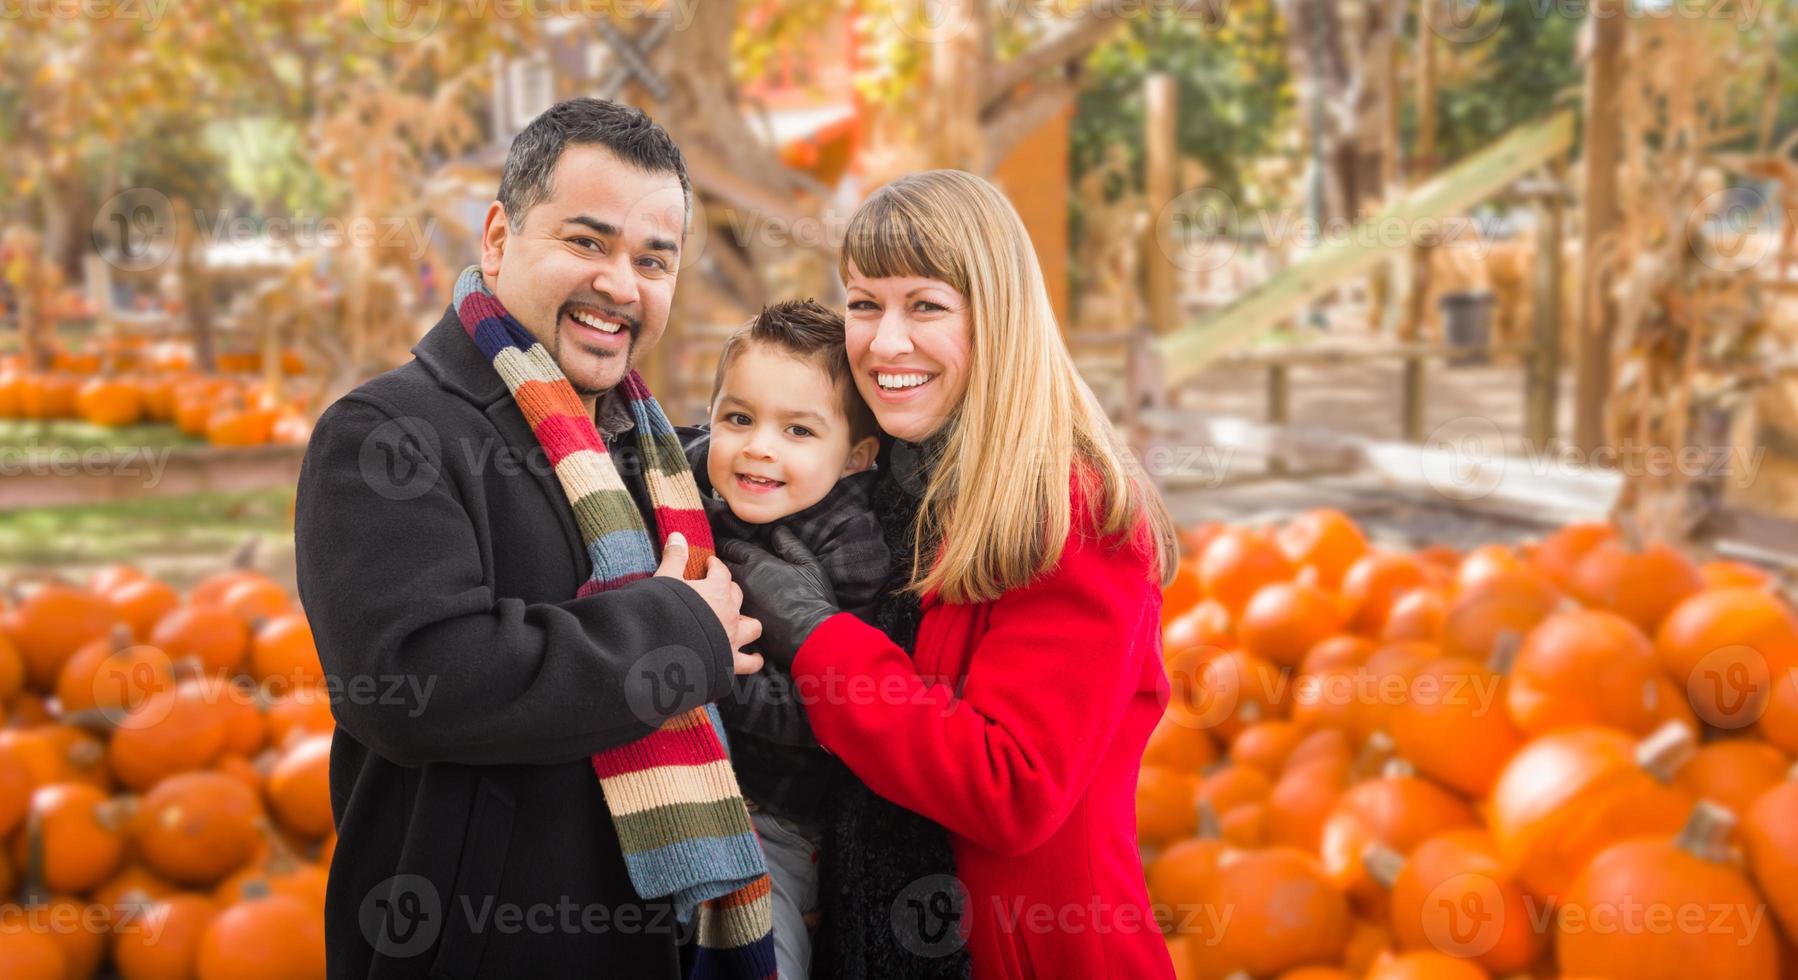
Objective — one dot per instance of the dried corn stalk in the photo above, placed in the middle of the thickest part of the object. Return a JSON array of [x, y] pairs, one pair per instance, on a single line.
[[1691, 322]]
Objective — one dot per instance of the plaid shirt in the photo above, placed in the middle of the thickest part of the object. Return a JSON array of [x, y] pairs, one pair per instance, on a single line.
[[778, 761]]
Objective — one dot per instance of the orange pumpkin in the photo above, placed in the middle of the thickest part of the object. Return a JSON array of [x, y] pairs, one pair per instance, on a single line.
[[28, 955], [170, 732], [1585, 667], [1284, 913], [142, 604], [1423, 965], [1641, 586], [1181, 877], [1696, 890], [1733, 772], [1560, 554], [1266, 745], [15, 789], [1324, 540], [12, 670], [51, 624], [1725, 574], [1397, 809], [1344, 650], [1326, 744], [1568, 795], [257, 599], [165, 943], [1503, 602], [112, 674], [1454, 726], [1179, 596], [212, 633], [110, 402], [299, 787], [1725, 646], [77, 834], [1374, 583], [1166, 809], [304, 709], [1286, 620], [1770, 838], [194, 828], [1417, 615], [1179, 741], [1238, 689], [1237, 563], [1453, 895], [283, 653], [275, 937], [1301, 801], [1486, 562]]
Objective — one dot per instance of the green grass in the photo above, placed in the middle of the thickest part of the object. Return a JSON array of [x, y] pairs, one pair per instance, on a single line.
[[33, 435], [193, 525]]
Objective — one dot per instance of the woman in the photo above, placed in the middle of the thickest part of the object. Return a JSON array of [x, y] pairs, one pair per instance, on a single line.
[[1017, 722]]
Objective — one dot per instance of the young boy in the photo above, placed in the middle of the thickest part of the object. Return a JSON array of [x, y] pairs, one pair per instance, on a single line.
[[790, 444]]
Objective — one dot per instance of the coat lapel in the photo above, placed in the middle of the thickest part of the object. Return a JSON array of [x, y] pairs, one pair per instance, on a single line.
[[448, 353]]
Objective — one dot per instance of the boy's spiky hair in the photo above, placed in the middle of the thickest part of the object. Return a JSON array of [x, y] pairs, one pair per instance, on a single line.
[[811, 332]]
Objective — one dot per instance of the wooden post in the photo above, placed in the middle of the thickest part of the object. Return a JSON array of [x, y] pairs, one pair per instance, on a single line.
[[1423, 163], [1279, 408], [1413, 402], [1161, 166], [1542, 379], [1597, 315]]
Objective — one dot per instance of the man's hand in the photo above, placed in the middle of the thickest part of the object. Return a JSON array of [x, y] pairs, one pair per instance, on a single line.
[[721, 594], [788, 589]]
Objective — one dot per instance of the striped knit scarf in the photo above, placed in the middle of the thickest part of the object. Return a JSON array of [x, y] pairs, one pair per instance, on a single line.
[[673, 795]]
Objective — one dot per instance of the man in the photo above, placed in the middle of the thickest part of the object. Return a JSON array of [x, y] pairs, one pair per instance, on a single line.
[[439, 559]]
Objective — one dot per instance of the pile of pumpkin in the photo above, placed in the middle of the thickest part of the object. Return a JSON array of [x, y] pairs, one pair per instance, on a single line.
[[164, 797], [155, 385], [1567, 758]]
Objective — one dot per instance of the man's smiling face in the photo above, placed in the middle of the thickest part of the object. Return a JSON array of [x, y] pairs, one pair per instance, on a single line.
[[590, 269]]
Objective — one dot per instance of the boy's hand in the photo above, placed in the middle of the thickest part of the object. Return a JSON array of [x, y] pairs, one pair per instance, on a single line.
[[790, 591], [720, 594]]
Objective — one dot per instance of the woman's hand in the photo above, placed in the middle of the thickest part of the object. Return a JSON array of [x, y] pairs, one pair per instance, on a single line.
[[788, 594]]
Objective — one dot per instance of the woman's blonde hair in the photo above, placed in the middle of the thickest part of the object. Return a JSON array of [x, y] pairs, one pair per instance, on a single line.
[[998, 496]]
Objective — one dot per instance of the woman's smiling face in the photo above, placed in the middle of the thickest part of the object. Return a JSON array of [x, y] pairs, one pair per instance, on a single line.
[[909, 344]]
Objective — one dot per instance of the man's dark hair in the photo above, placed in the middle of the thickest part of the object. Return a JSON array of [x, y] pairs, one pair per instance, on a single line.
[[626, 131], [814, 334]]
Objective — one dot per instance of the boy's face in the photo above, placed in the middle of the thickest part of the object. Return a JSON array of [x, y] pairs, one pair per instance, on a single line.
[[779, 438]]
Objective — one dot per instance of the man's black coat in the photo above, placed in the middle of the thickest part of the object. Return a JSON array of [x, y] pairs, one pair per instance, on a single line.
[[438, 561]]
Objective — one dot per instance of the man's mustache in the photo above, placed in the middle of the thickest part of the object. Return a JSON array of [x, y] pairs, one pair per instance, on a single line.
[[631, 323]]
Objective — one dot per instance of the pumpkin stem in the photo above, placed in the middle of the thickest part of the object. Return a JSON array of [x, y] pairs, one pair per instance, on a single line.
[[1665, 750], [1504, 652], [95, 720], [1374, 753], [281, 858], [1208, 828], [122, 639], [1707, 830], [32, 890], [1396, 768], [245, 555], [1382, 863]]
